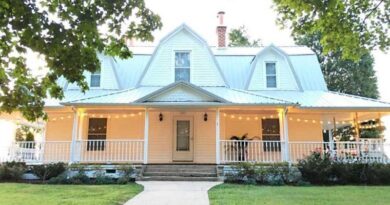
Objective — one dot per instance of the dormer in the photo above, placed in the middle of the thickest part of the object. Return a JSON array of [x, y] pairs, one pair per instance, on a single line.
[[271, 69], [182, 56], [105, 78]]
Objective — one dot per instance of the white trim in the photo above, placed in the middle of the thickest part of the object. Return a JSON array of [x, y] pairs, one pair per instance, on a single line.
[[217, 137], [74, 136], [146, 136], [277, 74]]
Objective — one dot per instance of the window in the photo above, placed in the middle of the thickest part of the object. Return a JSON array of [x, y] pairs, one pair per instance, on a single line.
[[271, 132], [270, 69], [97, 134], [182, 66], [95, 79]]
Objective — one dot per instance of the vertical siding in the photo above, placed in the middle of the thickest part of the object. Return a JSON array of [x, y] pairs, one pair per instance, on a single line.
[[204, 71], [59, 130], [161, 137], [284, 76], [305, 131]]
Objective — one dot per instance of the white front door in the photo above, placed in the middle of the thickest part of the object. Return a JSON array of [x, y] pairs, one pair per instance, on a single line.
[[183, 139]]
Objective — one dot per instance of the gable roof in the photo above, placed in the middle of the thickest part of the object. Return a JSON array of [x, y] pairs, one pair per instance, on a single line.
[[172, 34], [193, 94]]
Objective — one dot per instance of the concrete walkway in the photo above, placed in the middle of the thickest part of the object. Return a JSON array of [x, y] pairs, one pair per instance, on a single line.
[[167, 192]]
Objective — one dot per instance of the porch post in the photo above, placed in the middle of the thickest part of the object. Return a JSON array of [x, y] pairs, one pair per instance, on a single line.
[[146, 136], [357, 130], [217, 137], [283, 121], [74, 136]]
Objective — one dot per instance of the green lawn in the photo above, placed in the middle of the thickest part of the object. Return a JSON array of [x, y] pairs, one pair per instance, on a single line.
[[32, 194], [246, 194]]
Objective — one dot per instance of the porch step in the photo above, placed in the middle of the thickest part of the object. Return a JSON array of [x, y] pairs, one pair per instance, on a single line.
[[182, 174], [174, 172], [178, 178]]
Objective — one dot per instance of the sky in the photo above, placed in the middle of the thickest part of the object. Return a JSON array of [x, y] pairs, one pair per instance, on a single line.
[[259, 18]]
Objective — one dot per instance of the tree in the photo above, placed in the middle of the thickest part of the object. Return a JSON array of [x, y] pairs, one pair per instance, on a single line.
[[67, 34], [240, 37], [352, 27], [345, 76]]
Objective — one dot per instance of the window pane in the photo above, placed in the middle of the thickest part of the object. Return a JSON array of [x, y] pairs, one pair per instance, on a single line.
[[183, 135], [270, 126], [270, 68], [182, 59], [97, 131], [271, 81], [182, 74], [95, 80]]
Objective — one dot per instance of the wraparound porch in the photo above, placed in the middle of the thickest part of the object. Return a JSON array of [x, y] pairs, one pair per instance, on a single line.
[[153, 135]]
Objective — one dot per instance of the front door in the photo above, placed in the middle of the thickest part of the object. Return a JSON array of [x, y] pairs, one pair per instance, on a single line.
[[183, 139]]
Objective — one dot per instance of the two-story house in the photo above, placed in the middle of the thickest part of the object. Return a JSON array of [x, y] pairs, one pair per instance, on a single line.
[[187, 102]]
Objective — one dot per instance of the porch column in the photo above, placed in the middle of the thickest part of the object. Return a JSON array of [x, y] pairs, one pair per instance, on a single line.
[[283, 121], [146, 136], [357, 130], [74, 136], [217, 137]]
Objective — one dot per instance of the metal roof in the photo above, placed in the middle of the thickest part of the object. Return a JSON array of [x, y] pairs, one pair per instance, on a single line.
[[325, 99], [228, 96]]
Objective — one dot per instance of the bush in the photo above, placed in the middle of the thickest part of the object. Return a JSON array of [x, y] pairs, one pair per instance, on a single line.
[[12, 171], [270, 174], [318, 169], [48, 171], [60, 179]]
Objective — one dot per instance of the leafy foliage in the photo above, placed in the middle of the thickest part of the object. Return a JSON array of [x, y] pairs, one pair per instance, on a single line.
[[345, 76], [239, 37], [48, 171], [320, 169], [12, 171], [67, 35], [350, 26]]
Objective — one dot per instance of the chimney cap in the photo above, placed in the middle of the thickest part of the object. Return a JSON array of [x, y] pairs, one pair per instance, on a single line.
[[221, 12]]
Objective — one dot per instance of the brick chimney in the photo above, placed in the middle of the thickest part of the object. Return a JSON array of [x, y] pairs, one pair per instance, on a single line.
[[221, 30]]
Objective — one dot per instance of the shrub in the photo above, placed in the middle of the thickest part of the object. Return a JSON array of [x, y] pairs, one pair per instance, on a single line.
[[318, 169], [79, 178], [60, 179], [48, 171], [12, 171]]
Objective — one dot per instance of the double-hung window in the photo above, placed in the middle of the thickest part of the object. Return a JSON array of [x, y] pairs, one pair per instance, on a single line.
[[95, 79], [182, 66], [271, 135], [97, 134], [270, 71]]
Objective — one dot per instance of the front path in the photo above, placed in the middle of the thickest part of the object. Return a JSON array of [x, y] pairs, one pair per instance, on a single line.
[[167, 192]]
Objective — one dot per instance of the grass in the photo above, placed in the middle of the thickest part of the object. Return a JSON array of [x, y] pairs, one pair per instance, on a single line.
[[36, 194], [344, 195]]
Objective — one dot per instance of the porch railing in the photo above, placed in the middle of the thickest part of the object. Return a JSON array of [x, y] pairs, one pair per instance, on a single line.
[[81, 151], [276, 151]]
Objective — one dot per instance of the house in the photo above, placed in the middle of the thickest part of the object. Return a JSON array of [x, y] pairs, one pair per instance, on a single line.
[[183, 101]]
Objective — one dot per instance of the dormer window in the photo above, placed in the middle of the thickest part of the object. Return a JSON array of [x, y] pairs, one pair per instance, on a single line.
[[270, 70], [182, 66], [95, 79]]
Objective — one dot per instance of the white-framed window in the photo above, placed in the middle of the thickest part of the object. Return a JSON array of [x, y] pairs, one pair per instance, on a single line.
[[270, 73], [95, 79], [182, 66]]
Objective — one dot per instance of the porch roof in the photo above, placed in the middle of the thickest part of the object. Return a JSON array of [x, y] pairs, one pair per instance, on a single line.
[[188, 93], [327, 100]]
